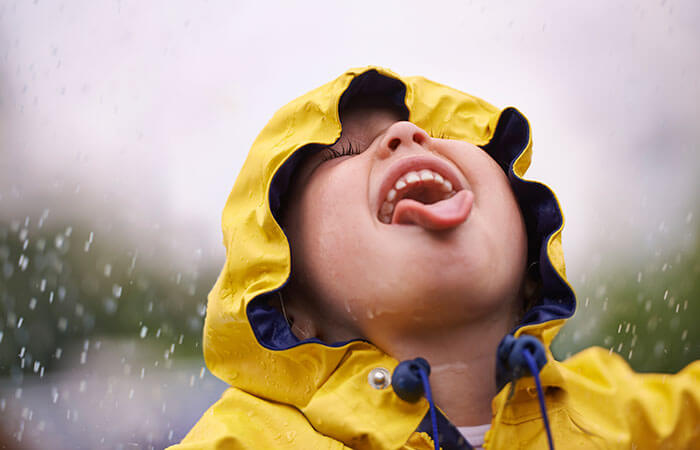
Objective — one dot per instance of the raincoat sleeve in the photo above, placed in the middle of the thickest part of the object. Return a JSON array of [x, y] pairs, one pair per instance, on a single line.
[[242, 421], [640, 410]]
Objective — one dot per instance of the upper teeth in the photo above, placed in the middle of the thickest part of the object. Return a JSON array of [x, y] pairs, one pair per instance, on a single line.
[[410, 179]]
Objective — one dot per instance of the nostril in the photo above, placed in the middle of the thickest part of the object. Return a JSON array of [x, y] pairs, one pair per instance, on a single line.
[[394, 143], [418, 138]]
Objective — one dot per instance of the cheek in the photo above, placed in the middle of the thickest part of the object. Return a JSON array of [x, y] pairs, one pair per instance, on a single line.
[[330, 231]]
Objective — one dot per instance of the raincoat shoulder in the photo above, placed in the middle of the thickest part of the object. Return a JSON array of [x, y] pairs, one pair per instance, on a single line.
[[242, 421], [633, 410]]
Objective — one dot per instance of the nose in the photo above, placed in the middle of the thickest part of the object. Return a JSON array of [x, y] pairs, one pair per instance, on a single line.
[[401, 134]]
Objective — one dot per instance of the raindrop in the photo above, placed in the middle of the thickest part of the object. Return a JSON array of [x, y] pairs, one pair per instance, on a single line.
[[2, 333], [117, 291], [54, 394], [62, 324], [202, 309], [291, 435], [83, 357], [21, 352], [20, 322], [108, 270], [51, 297], [59, 241], [32, 303], [59, 352], [110, 305], [201, 372], [42, 285], [143, 332], [23, 262]]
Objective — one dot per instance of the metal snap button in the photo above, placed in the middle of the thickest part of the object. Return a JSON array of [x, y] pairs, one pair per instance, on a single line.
[[379, 378]]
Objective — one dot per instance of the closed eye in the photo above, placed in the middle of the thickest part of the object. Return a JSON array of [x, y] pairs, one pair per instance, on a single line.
[[346, 149]]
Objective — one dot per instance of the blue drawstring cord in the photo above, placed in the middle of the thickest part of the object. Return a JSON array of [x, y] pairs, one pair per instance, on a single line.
[[532, 365], [410, 382], [518, 357], [429, 397]]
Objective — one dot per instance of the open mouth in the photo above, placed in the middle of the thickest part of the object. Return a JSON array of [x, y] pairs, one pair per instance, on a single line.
[[424, 192]]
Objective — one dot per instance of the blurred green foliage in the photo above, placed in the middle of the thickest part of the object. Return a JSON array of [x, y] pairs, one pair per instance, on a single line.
[[61, 285], [645, 310], [64, 284]]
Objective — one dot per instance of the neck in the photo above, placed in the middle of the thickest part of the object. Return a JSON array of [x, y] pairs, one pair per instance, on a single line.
[[463, 366]]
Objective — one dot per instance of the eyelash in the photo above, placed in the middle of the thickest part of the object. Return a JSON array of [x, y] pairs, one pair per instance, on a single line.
[[345, 150]]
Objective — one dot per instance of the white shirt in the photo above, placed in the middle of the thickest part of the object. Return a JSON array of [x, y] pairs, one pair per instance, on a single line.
[[475, 435]]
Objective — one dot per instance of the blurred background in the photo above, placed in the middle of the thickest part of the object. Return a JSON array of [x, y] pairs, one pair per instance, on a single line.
[[123, 125]]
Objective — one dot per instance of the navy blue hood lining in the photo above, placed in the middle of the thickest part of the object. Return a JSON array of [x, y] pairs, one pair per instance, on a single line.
[[538, 205]]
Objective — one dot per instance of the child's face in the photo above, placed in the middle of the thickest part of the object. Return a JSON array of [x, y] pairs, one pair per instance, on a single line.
[[374, 271]]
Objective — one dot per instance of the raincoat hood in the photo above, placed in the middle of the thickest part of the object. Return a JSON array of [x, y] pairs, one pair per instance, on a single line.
[[287, 393], [247, 342]]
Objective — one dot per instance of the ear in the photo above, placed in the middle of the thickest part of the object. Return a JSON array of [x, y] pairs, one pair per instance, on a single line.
[[302, 326], [298, 316]]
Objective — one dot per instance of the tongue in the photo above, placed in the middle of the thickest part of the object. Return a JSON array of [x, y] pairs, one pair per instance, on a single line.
[[436, 216]]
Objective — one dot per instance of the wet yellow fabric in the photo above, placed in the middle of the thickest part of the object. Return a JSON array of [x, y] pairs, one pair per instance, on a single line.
[[315, 396]]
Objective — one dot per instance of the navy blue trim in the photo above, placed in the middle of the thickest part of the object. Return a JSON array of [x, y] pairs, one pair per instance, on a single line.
[[542, 218]]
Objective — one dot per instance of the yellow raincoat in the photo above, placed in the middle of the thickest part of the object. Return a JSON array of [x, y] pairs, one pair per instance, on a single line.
[[287, 393]]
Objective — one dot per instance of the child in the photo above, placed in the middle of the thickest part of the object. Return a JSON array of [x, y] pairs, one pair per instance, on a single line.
[[396, 283]]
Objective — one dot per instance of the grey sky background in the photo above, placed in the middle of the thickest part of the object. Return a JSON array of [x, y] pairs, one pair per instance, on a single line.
[[131, 119], [136, 116]]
